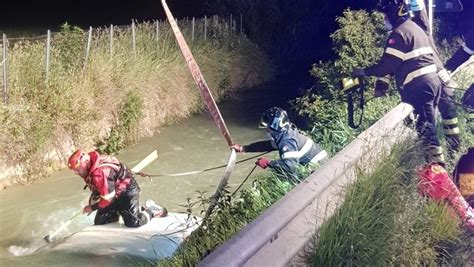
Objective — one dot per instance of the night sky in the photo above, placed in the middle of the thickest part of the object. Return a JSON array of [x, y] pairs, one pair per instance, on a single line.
[[51, 14]]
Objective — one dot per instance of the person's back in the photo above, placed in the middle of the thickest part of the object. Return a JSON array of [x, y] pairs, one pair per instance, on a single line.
[[411, 46]]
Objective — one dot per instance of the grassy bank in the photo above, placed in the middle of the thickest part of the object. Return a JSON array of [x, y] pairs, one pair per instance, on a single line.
[[115, 96], [384, 221]]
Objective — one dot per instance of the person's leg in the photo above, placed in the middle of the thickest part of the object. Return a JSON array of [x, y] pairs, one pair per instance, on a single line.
[[130, 209], [450, 123], [426, 129], [106, 215]]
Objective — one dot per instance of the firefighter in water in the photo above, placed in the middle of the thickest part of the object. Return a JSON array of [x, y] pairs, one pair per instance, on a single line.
[[411, 59], [417, 12], [114, 190], [294, 148]]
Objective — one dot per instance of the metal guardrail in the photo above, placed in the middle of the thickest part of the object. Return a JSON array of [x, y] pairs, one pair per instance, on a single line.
[[277, 236]]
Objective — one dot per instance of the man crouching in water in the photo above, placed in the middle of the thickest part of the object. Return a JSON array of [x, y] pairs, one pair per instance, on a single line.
[[114, 190]]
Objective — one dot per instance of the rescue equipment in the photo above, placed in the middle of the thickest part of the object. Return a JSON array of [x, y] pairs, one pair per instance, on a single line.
[[354, 87], [208, 99]]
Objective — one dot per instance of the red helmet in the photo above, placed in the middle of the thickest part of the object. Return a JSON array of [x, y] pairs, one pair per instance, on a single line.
[[78, 162]]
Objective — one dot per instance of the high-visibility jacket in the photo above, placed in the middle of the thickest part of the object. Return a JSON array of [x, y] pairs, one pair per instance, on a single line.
[[408, 56], [107, 177], [294, 148]]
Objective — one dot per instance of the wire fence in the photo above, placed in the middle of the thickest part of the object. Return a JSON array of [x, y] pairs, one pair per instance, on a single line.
[[193, 31]]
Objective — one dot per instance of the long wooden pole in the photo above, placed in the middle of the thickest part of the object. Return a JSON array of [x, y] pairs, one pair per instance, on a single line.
[[198, 77]]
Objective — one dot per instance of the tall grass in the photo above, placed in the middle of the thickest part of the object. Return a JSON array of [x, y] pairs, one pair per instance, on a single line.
[[113, 98], [384, 221], [231, 215]]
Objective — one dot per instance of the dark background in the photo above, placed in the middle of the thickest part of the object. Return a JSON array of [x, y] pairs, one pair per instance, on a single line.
[[295, 47], [49, 13]]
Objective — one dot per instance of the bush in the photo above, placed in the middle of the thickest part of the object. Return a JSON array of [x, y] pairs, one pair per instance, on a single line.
[[359, 42]]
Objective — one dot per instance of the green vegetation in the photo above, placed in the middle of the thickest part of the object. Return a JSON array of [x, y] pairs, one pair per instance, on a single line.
[[359, 42], [384, 221], [232, 213], [116, 94]]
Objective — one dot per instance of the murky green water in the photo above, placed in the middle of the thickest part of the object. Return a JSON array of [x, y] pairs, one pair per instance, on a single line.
[[30, 212]]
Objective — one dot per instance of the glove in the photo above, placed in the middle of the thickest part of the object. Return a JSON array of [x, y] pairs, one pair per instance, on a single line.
[[381, 87], [87, 209], [444, 76], [262, 162], [238, 148], [358, 73]]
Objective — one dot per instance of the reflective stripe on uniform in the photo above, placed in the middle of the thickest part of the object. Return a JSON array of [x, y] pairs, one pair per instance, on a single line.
[[298, 154], [467, 49], [418, 52], [452, 121], [412, 54], [320, 156], [395, 52], [452, 131], [109, 196], [385, 79], [425, 70]]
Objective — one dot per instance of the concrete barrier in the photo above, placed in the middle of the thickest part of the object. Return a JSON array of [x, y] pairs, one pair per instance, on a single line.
[[277, 236]]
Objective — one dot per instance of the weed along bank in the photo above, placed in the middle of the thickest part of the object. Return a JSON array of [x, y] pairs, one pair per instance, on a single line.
[[109, 87]]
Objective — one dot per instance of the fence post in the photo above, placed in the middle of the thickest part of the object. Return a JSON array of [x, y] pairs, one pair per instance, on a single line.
[[241, 23], [192, 31], [133, 36], [205, 27], [5, 69], [48, 53], [111, 40], [89, 41], [231, 22]]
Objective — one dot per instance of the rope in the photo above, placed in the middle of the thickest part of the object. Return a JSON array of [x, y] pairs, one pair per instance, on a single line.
[[254, 166], [195, 172]]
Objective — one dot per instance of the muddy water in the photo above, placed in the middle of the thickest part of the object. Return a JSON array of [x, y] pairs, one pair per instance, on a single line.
[[30, 212]]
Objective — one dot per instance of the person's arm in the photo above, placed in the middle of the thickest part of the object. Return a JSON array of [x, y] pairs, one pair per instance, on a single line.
[[462, 54], [260, 146], [288, 158], [392, 58]]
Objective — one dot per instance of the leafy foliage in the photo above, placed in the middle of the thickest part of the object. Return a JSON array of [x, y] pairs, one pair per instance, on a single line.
[[358, 42]]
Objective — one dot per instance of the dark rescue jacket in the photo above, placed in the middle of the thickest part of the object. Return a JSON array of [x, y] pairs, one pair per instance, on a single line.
[[108, 178], [464, 52], [408, 56], [294, 149]]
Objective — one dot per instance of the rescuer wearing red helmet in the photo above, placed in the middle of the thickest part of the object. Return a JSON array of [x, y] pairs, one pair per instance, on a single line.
[[114, 190]]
